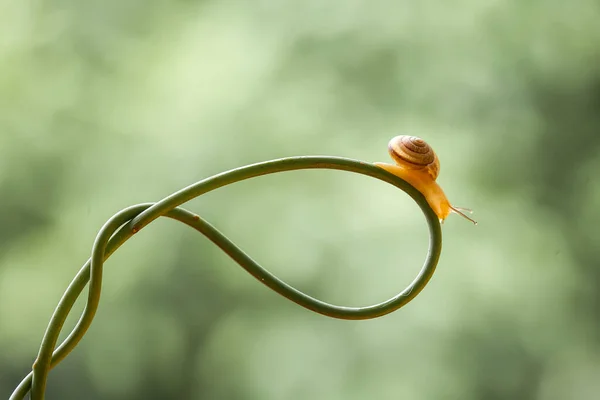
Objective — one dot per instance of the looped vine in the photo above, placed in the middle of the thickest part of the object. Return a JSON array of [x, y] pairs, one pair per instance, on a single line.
[[123, 225]]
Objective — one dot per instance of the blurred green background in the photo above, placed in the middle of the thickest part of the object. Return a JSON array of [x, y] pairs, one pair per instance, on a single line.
[[104, 104]]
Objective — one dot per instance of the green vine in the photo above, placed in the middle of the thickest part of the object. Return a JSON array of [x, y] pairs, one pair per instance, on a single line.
[[118, 229]]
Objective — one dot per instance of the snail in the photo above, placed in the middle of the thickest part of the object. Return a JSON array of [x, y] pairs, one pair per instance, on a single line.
[[417, 164]]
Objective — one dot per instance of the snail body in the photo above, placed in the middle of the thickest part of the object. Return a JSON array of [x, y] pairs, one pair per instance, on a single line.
[[417, 164]]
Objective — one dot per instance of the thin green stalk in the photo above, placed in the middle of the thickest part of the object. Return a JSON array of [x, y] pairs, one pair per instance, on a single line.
[[130, 220]]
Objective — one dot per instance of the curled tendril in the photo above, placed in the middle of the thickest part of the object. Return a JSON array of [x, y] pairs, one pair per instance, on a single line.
[[127, 222]]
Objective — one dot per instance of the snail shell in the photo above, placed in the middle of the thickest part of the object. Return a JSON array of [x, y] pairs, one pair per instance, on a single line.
[[412, 152], [417, 164]]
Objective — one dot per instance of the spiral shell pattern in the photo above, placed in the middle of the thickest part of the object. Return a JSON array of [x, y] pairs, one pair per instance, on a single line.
[[412, 152]]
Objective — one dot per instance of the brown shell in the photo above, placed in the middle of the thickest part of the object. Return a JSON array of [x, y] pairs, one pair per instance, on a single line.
[[414, 153]]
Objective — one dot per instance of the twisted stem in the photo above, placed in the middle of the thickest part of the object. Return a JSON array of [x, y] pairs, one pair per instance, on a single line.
[[123, 225]]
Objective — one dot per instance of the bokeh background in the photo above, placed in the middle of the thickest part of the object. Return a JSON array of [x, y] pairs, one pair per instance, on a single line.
[[105, 104]]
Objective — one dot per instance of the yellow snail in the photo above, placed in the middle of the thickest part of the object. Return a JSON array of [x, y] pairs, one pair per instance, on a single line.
[[417, 164]]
